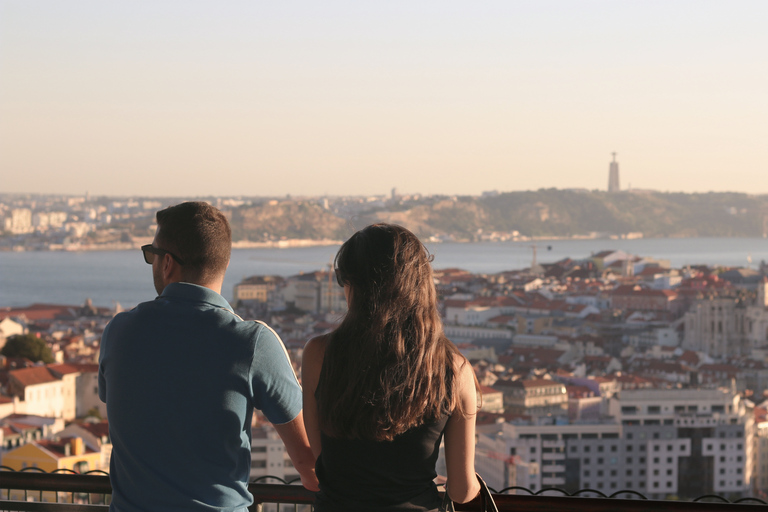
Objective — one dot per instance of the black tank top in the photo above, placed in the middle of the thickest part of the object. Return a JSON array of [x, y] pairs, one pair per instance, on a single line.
[[381, 476]]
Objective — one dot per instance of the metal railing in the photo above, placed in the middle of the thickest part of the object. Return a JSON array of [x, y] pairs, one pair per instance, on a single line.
[[57, 492]]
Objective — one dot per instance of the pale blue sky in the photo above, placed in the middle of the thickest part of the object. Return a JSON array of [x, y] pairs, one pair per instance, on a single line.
[[190, 98]]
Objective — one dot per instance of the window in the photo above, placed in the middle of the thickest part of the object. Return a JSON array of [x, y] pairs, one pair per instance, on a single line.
[[586, 472], [669, 447], [722, 471], [738, 471], [599, 460], [722, 459], [655, 460], [642, 447], [573, 449], [599, 485], [654, 409], [629, 448], [669, 472], [600, 449], [613, 485], [533, 449], [642, 460], [258, 463], [513, 451], [629, 472], [669, 484], [655, 435], [655, 472], [599, 472], [656, 448], [613, 472], [587, 449], [587, 460], [629, 435], [614, 448], [629, 460], [642, 473], [722, 483], [655, 485], [738, 459], [738, 446]]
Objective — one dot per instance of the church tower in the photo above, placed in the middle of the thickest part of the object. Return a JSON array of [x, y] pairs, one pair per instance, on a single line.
[[613, 175]]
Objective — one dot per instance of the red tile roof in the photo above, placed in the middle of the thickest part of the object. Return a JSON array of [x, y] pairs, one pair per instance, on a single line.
[[33, 375]]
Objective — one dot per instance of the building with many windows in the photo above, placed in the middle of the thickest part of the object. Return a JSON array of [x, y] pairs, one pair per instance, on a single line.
[[652, 442]]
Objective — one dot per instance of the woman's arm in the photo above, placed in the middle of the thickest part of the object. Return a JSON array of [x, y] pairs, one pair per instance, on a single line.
[[462, 484], [311, 364]]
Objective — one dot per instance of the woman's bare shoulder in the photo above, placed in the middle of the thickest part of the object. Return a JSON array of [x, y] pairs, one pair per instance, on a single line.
[[315, 347]]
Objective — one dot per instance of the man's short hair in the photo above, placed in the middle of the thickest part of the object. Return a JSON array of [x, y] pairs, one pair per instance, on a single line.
[[200, 235]]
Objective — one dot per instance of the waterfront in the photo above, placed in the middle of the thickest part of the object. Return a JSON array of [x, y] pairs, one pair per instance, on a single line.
[[122, 276]]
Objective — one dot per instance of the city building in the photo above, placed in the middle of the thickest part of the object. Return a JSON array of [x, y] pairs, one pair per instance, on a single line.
[[652, 442]]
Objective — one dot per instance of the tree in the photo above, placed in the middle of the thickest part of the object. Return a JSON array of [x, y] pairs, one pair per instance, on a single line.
[[29, 346]]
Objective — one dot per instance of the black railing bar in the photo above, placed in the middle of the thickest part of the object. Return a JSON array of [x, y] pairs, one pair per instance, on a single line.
[[96, 484], [296, 494], [522, 503], [37, 506]]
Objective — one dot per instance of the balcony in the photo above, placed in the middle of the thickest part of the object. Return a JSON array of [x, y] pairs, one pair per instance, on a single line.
[[44, 492]]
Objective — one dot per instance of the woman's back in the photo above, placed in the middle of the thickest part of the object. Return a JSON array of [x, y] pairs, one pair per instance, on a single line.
[[380, 390], [357, 474]]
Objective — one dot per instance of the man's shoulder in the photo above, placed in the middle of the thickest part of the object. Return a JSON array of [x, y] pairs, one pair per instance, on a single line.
[[255, 329]]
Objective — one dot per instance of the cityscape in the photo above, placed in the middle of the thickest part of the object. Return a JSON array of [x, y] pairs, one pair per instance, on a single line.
[[612, 372], [587, 177]]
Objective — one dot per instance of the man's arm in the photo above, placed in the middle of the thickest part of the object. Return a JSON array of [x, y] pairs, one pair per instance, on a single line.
[[297, 445]]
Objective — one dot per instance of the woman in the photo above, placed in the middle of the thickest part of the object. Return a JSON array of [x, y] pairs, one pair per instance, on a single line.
[[383, 388]]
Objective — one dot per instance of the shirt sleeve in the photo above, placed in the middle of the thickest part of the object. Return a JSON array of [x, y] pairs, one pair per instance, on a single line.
[[276, 391]]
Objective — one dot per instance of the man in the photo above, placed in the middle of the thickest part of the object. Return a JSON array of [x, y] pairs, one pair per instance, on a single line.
[[182, 374]]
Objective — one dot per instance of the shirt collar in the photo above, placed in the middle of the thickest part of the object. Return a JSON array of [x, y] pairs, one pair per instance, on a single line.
[[195, 293]]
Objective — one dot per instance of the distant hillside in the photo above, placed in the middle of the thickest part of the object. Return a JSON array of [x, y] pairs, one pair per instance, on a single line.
[[546, 212], [286, 220]]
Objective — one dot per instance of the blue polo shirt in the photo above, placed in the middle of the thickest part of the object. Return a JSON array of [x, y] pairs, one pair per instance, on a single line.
[[181, 376]]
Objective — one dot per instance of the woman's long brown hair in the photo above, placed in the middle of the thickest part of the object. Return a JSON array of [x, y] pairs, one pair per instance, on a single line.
[[388, 367]]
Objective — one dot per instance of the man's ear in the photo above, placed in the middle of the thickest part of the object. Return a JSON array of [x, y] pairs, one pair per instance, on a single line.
[[169, 267]]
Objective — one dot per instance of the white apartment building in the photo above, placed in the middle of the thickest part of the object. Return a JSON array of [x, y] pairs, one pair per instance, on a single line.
[[19, 222], [43, 393], [716, 327], [268, 456], [661, 443]]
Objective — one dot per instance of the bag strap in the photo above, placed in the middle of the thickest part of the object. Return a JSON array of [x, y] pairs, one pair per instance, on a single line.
[[486, 499]]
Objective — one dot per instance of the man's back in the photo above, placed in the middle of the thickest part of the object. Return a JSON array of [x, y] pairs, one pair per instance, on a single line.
[[180, 376]]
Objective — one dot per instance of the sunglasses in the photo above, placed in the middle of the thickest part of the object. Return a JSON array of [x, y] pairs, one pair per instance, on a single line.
[[150, 250]]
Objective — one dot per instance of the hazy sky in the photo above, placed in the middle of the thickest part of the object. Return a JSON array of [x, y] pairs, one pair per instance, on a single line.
[[189, 98]]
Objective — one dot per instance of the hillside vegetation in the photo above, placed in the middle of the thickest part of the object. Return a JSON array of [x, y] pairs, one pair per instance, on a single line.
[[546, 212]]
